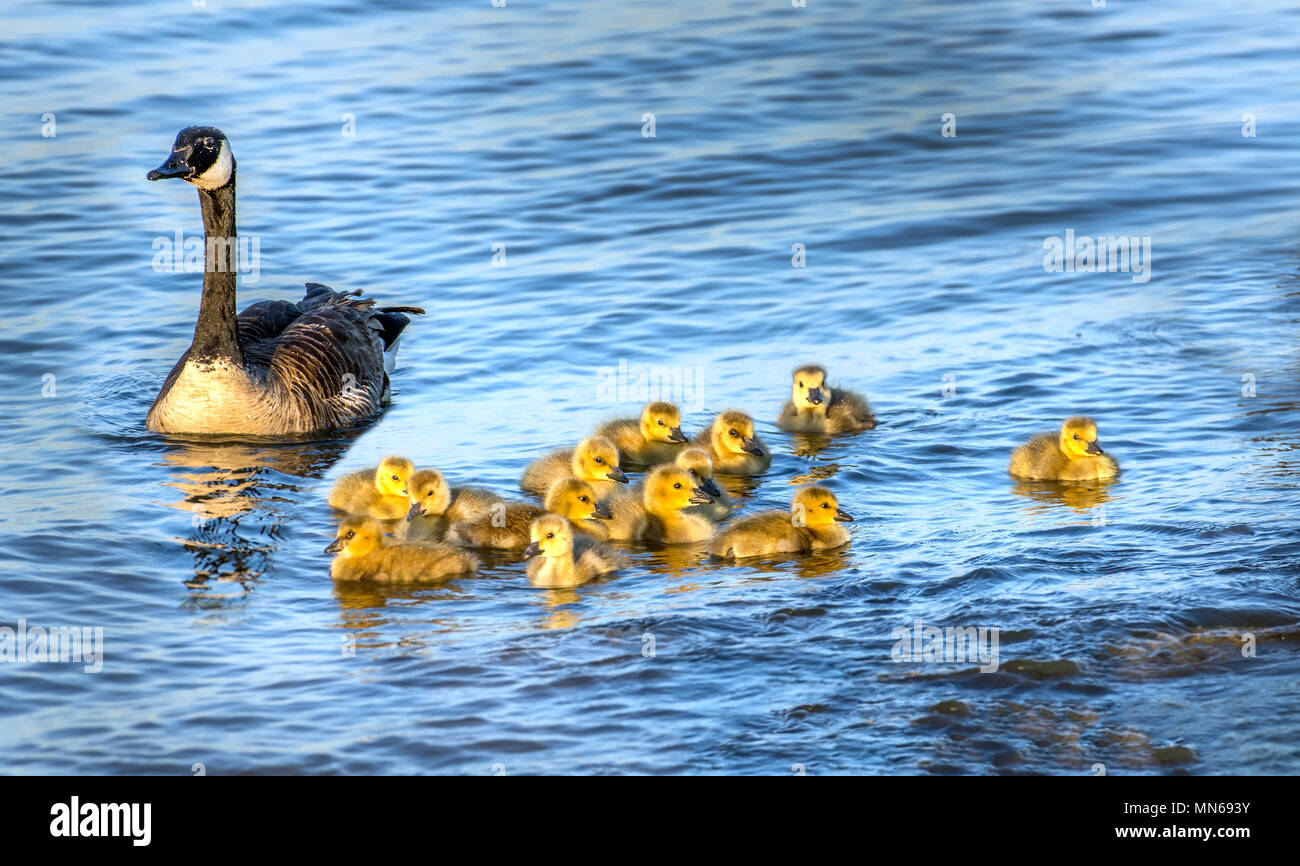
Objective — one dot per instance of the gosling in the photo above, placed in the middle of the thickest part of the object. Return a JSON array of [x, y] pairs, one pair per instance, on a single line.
[[362, 555], [594, 461], [809, 525], [660, 516], [655, 438], [557, 559], [815, 407], [699, 464], [732, 445], [1072, 455], [435, 505], [506, 526], [379, 492]]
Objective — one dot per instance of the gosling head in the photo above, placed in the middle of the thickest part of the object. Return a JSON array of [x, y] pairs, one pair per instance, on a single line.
[[699, 464], [1079, 438], [429, 493], [817, 506], [733, 433], [392, 474], [550, 536], [670, 488], [662, 422], [596, 459], [574, 499], [356, 536], [201, 156], [809, 390]]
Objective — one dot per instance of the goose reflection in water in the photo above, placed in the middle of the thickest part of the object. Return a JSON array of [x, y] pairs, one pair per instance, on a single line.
[[1080, 497], [240, 494]]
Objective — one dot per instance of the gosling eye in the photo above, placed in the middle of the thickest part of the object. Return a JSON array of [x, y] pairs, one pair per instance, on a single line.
[[583, 499], [677, 485], [801, 384], [661, 422], [826, 505], [733, 433], [550, 535], [395, 478], [350, 534], [430, 493], [1076, 436]]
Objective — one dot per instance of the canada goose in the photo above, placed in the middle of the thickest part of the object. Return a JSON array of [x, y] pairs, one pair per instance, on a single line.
[[808, 525], [278, 368], [557, 559], [1071, 455], [815, 407], [362, 555], [732, 445], [506, 526], [380, 492], [435, 505], [656, 437], [696, 461], [659, 516], [595, 461]]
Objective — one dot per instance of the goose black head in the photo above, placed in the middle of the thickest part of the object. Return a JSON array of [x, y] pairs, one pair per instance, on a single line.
[[201, 156]]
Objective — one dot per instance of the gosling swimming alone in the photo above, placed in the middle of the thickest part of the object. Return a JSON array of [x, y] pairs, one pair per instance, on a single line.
[[558, 558], [810, 524], [656, 437], [363, 555], [506, 527], [594, 461], [380, 492], [733, 446], [815, 407], [1073, 454]]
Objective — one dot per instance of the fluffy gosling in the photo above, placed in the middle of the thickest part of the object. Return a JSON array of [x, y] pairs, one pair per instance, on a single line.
[[656, 437], [732, 445], [435, 505], [556, 558], [659, 516], [815, 407], [1071, 455], [362, 555], [594, 461], [379, 492], [809, 525], [506, 526]]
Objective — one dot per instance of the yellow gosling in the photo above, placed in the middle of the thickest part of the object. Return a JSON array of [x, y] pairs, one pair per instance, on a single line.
[[732, 445], [594, 461], [656, 437], [435, 505], [506, 526], [362, 555], [815, 407], [809, 525], [379, 492], [699, 464], [557, 559], [660, 515], [1071, 455]]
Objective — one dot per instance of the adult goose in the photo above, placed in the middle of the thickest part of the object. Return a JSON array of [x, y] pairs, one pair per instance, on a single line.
[[278, 368]]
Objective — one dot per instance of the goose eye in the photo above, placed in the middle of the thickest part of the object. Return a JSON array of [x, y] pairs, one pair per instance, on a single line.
[[661, 423], [208, 142], [733, 433], [550, 535], [602, 459], [350, 534], [1076, 436], [677, 485], [826, 505], [583, 499], [801, 384], [430, 493], [395, 478]]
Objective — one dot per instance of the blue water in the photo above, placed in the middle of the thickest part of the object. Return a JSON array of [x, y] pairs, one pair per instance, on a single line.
[[1123, 610]]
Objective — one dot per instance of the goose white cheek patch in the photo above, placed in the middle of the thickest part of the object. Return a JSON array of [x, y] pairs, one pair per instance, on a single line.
[[218, 174]]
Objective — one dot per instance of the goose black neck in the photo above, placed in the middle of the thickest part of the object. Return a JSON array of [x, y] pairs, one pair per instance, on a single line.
[[216, 335]]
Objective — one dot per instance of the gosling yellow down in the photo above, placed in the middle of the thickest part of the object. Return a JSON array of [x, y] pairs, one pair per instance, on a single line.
[[379, 492], [699, 464], [435, 505], [1071, 455], [811, 524], [506, 526], [659, 516], [362, 555], [732, 445], [656, 437], [815, 407], [594, 461], [556, 558]]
